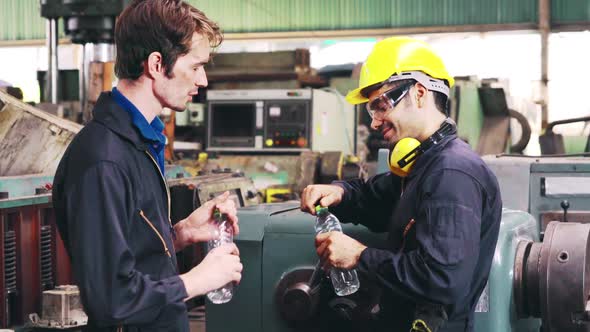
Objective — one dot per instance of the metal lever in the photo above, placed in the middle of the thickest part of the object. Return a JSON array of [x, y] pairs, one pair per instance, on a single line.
[[315, 280], [565, 204]]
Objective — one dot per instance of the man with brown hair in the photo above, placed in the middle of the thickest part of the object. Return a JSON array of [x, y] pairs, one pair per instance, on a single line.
[[110, 194]]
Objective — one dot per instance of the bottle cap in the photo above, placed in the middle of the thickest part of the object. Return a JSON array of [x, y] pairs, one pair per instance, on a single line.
[[320, 209], [217, 214]]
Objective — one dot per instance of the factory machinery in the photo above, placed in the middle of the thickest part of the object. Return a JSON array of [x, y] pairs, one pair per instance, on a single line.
[[34, 262], [538, 281], [538, 277]]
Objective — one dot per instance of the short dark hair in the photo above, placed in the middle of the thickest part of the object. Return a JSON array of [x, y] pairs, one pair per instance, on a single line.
[[441, 101], [165, 26]]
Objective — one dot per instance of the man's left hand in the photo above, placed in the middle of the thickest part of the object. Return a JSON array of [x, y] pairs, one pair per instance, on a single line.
[[200, 226], [337, 249]]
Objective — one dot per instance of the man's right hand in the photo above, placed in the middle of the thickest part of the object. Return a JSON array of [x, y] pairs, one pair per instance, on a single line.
[[220, 266], [325, 194]]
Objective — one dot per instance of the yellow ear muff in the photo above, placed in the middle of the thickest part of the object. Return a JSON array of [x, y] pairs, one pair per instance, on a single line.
[[401, 158]]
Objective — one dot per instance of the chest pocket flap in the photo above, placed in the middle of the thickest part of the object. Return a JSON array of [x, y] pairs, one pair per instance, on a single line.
[[448, 232]]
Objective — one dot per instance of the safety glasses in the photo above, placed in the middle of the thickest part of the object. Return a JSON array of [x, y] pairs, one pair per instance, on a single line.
[[379, 106]]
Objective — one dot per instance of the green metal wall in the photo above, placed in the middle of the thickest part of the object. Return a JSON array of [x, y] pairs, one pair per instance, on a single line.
[[297, 15], [20, 19], [570, 11]]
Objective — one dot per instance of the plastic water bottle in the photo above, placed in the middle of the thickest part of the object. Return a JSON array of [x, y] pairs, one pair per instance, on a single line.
[[345, 282], [226, 235]]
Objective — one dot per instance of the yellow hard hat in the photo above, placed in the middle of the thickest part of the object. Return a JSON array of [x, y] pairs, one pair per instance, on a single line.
[[394, 56]]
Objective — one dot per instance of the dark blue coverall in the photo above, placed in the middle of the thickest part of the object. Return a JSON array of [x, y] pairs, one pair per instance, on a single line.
[[442, 222], [112, 211]]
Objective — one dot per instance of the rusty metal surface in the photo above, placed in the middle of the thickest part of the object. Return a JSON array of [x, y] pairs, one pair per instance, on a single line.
[[26, 222], [265, 170], [31, 141], [494, 135], [308, 170], [331, 166]]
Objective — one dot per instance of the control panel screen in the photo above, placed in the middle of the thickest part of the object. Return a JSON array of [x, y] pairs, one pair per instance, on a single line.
[[232, 124]]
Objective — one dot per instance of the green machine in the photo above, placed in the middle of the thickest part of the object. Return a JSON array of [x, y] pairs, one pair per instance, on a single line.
[[276, 293], [533, 285]]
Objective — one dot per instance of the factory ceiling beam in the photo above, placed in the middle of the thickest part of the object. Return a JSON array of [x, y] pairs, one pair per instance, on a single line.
[[386, 32], [321, 34]]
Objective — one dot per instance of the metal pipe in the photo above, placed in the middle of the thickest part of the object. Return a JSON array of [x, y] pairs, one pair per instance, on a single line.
[[103, 52], [53, 70], [545, 30], [48, 44], [82, 79]]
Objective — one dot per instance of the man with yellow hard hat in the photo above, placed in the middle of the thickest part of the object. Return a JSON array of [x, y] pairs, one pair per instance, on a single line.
[[440, 204]]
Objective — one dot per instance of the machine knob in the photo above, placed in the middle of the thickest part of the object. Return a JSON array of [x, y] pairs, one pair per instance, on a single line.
[[565, 204], [343, 308], [299, 303]]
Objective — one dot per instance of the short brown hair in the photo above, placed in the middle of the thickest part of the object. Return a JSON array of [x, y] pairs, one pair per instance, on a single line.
[[165, 26]]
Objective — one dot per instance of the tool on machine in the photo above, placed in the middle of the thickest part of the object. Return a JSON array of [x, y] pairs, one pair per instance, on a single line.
[[226, 235], [553, 144], [345, 282]]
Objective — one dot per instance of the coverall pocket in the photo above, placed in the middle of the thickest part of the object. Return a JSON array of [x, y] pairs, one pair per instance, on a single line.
[[454, 233]]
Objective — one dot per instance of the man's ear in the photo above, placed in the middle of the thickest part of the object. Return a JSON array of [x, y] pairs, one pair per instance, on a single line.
[[420, 94], [420, 90], [153, 66]]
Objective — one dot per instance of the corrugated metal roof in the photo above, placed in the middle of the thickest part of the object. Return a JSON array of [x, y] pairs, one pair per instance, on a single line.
[[21, 19], [16, 24], [273, 15], [569, 11]]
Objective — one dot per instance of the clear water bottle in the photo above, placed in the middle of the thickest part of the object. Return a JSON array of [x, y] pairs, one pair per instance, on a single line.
[[226, 235], [345, 282]]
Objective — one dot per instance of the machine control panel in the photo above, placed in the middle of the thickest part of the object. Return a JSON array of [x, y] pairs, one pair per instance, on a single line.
[[286, 124], [279, 120]]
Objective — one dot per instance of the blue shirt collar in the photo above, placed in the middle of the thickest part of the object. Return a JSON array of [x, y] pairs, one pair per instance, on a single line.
[[151, 132]]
